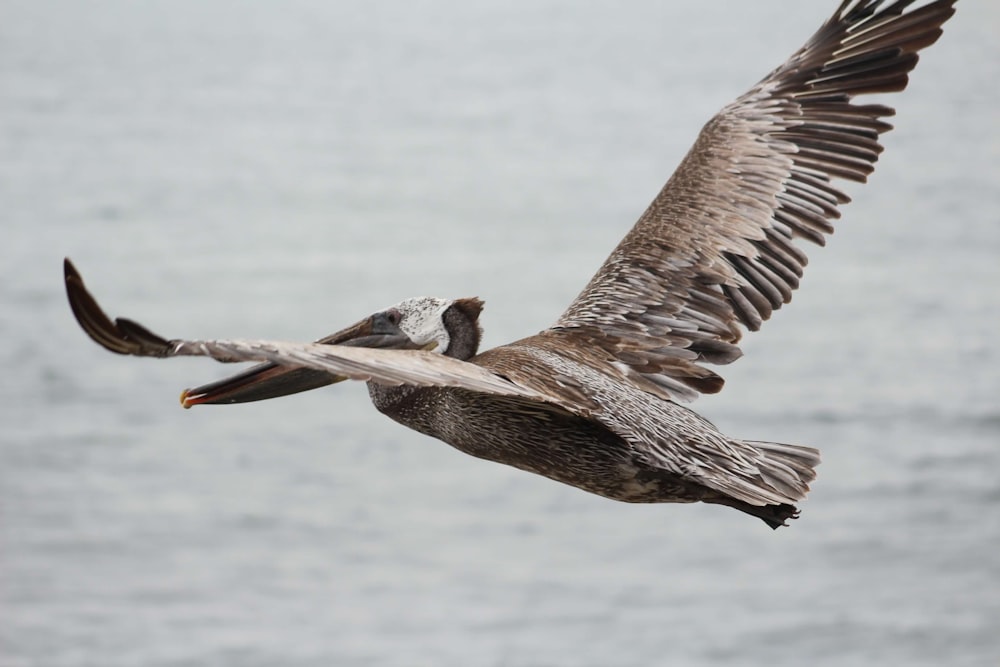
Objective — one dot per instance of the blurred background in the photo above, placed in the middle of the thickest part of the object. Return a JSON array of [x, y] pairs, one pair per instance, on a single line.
[[255, 169]]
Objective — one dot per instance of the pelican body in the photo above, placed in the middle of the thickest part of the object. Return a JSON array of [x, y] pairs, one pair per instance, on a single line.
[[595, 400]]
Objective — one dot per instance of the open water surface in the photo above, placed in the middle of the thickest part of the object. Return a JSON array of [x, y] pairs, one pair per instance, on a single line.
[[282, 169]]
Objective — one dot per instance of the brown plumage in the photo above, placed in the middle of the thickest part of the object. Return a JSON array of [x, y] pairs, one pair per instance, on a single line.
[[592, 401]]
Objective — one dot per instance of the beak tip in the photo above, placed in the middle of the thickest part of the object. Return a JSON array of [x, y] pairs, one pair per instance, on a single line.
[[186, 401]]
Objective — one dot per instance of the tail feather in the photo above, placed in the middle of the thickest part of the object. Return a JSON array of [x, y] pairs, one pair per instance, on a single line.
[[783, 476], [788, 469]]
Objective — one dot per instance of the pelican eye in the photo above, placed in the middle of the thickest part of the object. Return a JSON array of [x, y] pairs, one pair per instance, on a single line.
[[386, 322]]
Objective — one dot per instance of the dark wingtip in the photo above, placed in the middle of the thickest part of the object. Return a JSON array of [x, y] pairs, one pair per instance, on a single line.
[[122, 336], [69, 271]]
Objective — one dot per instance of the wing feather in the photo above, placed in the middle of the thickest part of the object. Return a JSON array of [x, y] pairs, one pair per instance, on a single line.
[[386, 366], [716, 252]]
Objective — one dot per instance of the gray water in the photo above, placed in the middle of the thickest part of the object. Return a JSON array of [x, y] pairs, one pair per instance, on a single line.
[[281, 170]]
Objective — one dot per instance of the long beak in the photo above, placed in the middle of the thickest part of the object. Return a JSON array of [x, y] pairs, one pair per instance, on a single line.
[[269, 380]]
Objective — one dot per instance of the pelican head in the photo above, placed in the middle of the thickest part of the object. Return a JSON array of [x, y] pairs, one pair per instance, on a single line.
[[444, 326]]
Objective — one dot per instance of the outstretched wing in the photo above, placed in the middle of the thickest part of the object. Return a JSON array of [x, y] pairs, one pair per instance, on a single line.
[[386, 366], [716, 248]]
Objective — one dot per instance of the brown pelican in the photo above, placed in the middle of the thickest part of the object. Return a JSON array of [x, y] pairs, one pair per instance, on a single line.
[[593, 400]]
